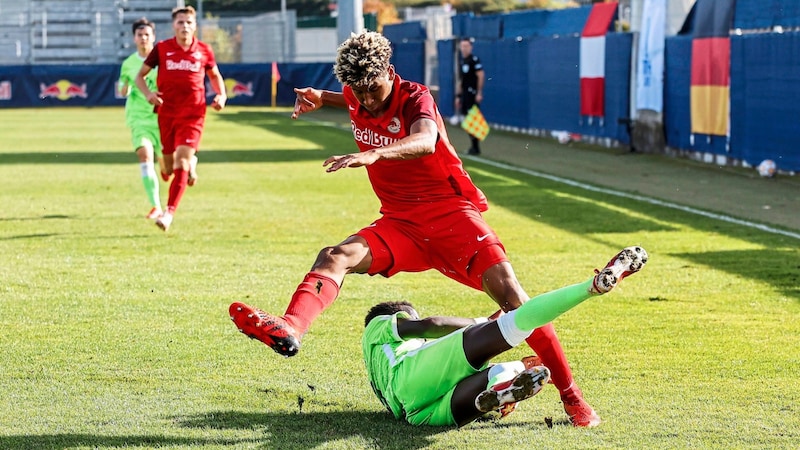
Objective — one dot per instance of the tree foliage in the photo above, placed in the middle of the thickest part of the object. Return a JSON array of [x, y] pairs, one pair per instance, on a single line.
[[489, 6], [385, 12]]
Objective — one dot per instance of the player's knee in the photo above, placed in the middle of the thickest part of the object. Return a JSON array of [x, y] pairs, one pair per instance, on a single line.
[[502, 285], [331, 257]]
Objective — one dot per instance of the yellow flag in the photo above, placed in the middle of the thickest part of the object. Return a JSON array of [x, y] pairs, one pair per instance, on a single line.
[[475, 124]]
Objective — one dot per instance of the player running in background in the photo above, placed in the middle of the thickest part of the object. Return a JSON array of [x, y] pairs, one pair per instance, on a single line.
[[180, 101], [139, 115], [431, 210]]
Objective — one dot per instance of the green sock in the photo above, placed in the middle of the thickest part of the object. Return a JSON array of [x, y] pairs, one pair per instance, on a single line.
[[150, 184], [543, 309]]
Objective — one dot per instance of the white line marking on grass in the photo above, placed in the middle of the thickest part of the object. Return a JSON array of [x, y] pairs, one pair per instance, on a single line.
[[652, 201]]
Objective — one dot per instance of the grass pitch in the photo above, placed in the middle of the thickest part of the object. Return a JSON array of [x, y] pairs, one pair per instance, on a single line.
[[116, 335]]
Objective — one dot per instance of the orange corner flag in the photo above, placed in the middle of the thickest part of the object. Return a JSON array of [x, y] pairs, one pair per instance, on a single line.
[[475, 124], [276, 76]]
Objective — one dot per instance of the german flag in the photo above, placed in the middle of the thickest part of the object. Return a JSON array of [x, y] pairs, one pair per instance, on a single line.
[[475, 124], [711, 66]]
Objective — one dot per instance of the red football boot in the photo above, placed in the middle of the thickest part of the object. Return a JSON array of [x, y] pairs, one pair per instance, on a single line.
[[271, 330], [581, 414]]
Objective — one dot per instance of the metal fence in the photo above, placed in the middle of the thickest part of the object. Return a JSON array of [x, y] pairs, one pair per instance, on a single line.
[[74, 31], [34, 32], [263, 38], [98, 31]]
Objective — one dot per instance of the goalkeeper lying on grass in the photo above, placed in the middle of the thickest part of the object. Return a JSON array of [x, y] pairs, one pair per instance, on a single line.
[[448, 380]]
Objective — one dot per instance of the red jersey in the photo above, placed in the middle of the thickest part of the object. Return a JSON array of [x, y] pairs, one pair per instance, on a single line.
[[181, 76], [405, 184]]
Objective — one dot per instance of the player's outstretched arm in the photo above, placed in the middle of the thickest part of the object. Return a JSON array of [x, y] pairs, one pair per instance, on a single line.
[[310, 99], [431, 327], [421, 142]]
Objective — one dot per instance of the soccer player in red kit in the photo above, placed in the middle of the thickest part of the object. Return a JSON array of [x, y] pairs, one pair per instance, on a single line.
[[431, 211], [183, 63]]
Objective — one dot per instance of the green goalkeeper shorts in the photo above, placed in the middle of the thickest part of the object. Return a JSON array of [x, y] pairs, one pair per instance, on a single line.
[[425, 379]]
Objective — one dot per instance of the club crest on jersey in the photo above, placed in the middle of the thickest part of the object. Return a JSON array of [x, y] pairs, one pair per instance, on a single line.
[[394, 125]]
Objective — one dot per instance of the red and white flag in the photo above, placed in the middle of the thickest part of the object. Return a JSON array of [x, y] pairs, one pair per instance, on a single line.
[[593, 58]]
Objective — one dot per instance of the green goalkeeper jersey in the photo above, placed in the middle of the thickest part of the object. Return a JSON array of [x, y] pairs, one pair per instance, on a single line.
[[382, 347], [138, 110], [415, 378]]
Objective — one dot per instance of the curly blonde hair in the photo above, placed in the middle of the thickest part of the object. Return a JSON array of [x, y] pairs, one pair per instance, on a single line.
[[362, 58]]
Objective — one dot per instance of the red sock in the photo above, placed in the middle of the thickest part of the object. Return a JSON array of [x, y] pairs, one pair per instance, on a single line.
[[177, 188], [545, 343], [312, 296]]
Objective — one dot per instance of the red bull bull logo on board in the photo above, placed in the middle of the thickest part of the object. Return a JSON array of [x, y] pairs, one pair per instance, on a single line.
[[62, 90], [236, 88]]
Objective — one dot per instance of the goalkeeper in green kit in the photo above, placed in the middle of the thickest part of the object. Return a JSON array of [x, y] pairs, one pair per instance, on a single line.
[[436, 371], [139, 114]]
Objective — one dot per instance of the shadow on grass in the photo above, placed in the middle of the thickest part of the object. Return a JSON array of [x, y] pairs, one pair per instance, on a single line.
[[282, 123], [588, 213], [578, 211], [330, 140], [209, 156], [72, 440], [47, 217], [312, 430], [28, 236], [301, 431], [780, 267]]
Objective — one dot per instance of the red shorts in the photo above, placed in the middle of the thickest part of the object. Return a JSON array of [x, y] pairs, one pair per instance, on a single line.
[[177, 131], [450, 237]]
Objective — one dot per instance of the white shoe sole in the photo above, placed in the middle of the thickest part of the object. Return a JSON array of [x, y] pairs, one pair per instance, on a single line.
[[630, 260], [525, 385]]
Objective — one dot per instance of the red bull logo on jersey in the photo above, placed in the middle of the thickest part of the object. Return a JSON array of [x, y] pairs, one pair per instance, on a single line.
[[62, 90], [183, 64], [235, 88], [370, 137]]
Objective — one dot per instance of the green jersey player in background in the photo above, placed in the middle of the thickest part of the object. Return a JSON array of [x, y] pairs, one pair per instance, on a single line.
[[139, 114]]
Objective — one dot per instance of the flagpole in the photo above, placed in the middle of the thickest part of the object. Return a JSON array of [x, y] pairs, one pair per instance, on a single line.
[[276, 76]]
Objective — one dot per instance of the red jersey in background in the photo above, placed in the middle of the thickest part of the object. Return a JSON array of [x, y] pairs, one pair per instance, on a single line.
[[181, 76]]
